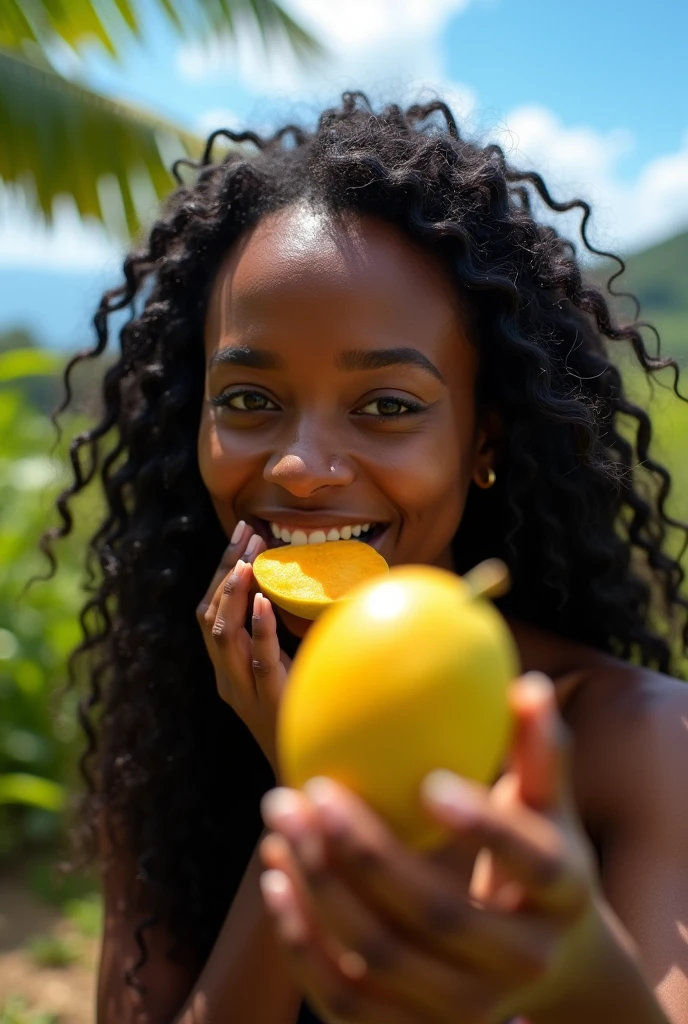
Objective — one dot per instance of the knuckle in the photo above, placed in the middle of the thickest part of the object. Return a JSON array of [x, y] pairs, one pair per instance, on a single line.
[[229, 587], [549, 870], [261, 668], [379, 950], [364, 858], [444, 914], [218, 631], [343, 1003], [259, 630], [537, 962]]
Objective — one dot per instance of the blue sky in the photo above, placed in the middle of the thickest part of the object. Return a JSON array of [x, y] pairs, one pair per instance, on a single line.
[[594, 93]]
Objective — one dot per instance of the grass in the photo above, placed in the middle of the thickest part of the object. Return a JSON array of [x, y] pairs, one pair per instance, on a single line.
[[54, 951], [15, 1011]]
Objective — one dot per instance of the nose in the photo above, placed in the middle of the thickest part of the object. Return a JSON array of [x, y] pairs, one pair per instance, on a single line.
[[305, 467]]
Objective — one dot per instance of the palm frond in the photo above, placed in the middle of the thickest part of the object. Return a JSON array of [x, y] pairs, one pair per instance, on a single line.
[[108, 22], [60, 137]]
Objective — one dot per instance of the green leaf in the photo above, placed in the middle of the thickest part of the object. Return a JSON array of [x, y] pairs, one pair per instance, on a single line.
[[28, 362], [76, 22], [60, 137], [18, 788]]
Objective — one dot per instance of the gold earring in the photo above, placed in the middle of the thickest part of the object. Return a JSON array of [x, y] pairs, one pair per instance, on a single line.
[[491, 477]]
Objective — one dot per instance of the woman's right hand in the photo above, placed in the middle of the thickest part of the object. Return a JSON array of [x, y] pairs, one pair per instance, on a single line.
[[250, 669]]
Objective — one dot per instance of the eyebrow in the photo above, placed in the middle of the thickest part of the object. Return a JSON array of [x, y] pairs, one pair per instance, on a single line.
[[351, 359], [242, 355], [375, 359]]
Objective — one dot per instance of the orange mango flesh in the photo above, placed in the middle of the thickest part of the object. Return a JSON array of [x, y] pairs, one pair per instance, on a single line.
[[305, 579]]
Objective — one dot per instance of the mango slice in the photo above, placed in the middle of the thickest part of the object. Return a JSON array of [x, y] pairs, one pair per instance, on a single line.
[[410, 673], [305, 579]]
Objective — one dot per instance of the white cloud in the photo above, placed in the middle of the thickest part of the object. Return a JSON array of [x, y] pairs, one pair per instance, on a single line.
[[579, 161], [216, 117], [69, 244], [384, 47]]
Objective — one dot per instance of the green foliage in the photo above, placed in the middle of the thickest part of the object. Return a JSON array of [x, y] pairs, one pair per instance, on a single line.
[[60, 137], [15, 1010], [38, 627], [53, 951], [86, 914]]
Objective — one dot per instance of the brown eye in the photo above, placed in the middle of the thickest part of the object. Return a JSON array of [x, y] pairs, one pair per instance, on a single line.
[[390, 407], [245, 401]]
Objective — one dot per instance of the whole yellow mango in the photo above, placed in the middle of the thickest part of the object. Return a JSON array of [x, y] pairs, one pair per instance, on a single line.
[[407, 675]]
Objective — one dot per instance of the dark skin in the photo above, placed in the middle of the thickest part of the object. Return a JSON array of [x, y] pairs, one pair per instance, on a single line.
[[578, 869]]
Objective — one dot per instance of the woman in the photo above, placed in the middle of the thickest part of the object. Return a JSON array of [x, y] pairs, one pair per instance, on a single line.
[[363, 330]]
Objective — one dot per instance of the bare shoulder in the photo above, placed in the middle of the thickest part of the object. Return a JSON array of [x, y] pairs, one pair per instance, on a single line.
[[630, 731], [133, 940]]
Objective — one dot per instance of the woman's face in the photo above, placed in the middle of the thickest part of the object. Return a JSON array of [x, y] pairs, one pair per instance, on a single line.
[[339, 396]]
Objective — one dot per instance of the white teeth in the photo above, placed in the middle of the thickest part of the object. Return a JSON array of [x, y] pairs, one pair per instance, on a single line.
[[298, 537]]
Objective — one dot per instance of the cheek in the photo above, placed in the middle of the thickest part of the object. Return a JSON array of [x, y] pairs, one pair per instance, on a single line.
[[223, 468], [430, 477]]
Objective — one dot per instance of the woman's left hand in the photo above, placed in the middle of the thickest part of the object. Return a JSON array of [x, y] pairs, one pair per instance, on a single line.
[[380, 934]]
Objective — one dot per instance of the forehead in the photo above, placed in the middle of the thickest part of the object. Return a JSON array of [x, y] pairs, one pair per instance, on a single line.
[[301, 269]]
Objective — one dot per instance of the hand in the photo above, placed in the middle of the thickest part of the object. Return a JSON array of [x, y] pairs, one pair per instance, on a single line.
[[250, 670], [379, 934]]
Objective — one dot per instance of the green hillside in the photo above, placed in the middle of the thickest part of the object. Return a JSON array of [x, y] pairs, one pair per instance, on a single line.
[[658, 277]]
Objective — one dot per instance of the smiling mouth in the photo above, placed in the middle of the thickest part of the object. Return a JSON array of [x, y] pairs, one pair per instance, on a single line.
[[280, 535]]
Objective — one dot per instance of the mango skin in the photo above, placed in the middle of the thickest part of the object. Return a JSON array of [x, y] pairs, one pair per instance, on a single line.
[[409, 674]]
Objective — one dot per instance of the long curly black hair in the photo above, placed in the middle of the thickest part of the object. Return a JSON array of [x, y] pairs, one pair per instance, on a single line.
[[584, 537]]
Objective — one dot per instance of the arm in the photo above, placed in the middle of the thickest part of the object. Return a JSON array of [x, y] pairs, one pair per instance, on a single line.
[[245, 979], [645, 838], [644, 870]]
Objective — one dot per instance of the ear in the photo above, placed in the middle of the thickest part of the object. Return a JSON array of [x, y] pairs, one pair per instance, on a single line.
[[487, 440]]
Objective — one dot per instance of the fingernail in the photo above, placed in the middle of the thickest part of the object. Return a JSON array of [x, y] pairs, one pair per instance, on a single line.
[[451, 794], [239, 567], [252, 545], [321, 792], [257, 605], [237, 532], [278, 804], [276, 889], [536, 687]]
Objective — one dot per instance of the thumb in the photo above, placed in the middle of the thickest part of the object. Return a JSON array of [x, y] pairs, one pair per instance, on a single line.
[[539, 752]]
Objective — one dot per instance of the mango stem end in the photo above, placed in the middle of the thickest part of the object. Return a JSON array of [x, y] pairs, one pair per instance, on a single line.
[[490, 578]]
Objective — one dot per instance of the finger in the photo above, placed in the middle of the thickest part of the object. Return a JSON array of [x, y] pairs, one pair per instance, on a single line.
[[336, 996], [533, 848], [399, 970], [234, 550], [541, 747], [268, 670], [230, 615], [414, 895]]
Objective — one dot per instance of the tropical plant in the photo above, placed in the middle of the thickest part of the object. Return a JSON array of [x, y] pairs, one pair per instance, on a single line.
[[38, 626], [61, 137]]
